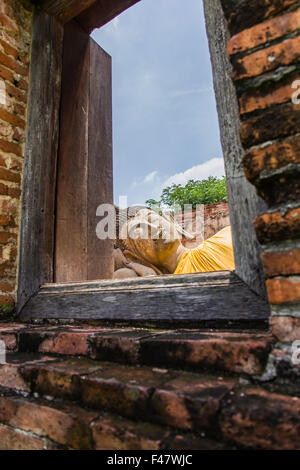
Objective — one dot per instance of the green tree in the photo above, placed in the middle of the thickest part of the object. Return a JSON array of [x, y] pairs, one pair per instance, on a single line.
[[208, 191]]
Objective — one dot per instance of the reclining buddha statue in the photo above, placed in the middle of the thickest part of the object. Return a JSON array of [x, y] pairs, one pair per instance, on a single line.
[[151, 245]]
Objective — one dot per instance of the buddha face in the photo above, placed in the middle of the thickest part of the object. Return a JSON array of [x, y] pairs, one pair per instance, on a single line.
[[154, 236]]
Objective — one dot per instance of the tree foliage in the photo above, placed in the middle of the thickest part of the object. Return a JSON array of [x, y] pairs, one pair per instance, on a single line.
[[208, 191]]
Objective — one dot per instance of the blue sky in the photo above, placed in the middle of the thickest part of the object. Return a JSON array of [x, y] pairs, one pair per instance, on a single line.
[[164, 113]]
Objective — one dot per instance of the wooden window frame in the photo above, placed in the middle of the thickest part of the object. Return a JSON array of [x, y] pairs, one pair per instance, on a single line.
[[166, 297]]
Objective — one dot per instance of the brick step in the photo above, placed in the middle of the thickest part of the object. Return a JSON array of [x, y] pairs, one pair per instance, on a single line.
[[212, 407], [35, 423], [230, 352]]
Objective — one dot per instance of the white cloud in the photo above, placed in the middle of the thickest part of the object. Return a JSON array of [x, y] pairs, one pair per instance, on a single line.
[[213, 167], [149, 178]]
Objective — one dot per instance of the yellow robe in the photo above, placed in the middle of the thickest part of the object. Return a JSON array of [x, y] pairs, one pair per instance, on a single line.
[[214, 254]]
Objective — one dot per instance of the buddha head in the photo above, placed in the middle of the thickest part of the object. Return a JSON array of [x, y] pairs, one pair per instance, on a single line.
[[154, 240]]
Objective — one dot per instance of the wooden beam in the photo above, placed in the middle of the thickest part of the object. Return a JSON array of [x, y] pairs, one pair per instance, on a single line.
[[217, 299], [65, 10], [101, 12], [38, 200]]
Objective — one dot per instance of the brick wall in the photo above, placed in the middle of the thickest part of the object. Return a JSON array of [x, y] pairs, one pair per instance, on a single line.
[[265, 53], [214, 216], [15, 41]]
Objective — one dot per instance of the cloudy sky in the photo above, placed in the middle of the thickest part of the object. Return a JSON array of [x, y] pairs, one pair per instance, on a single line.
[[164, 112]]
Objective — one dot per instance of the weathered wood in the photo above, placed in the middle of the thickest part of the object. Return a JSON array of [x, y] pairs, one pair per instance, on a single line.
[[244, 204], [37, 228], [85, 160], [100, 161], [65, 10], [199, 298], [102, 12], [71, 199]]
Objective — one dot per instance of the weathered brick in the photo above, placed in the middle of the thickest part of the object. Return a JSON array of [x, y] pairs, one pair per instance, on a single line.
[[260, 420], [68, 343], [188, 402], [59, 379], [246, 14], [8, 23], [120, 434], [121, 389], [6, 74], [271, 157], [285, 329], [11, 439], [64, 424], [120, 346], [283, 290], [12, 119], [265, 60], [8, 175], [274, 123], [275, 226], [282, 263], [7, 300], [10, 147], [262, 33], [9, 49], [6, 286], [265, 97], [280, 188], [230, 352]]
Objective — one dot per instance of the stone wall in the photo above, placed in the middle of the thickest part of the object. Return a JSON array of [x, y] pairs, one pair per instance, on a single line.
[[15, 42], [264, 51]]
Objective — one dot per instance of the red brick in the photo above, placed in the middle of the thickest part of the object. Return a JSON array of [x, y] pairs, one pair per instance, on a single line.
[[64, 424], [6, 300], [258, 99], [275, 123], [6, 74], [120, 434], [230, 352], [10, 147], [188, 402], [10, 191], [59, 379], [275, 226], [16, 93], [282, 263], [8, 23], [12, 119], [8, 49], [253, 12], [260, 420], [6, 286], [5, 237], [75, 344], [283, 290], [264, 32], [257, 63], [8, 175], [271, 157], [285, 329], [11, 439]]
